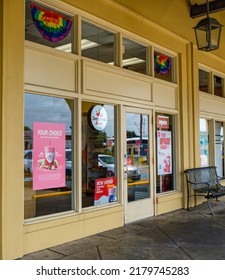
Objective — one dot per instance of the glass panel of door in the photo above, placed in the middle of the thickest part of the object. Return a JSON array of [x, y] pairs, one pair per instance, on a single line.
[[137, 161], [204, 142]]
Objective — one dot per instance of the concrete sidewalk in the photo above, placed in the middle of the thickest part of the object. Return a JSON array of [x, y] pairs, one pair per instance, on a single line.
[[178, 235]]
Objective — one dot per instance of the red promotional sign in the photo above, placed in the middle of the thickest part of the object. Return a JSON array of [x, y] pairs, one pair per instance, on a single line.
[[105, 190], [48, 155], [163, 122]]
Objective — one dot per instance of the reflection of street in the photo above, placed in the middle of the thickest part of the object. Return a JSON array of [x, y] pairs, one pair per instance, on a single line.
[[45, 202], [139, 189], [144, 172], [50, 202]]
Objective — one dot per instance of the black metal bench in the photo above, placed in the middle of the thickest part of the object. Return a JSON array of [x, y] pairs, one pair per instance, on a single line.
[[204, 181]]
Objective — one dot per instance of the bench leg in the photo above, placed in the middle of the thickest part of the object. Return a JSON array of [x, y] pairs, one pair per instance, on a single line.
[[188, 209], [210, 207]]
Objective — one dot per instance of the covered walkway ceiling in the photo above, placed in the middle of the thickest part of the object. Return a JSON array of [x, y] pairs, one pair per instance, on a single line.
[[197, 8]]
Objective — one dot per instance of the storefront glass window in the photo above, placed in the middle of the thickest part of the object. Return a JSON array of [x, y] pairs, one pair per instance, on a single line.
[[134, 56], [165, 153], [98, 43], [163, 67], [48, 155], [219, 148], [204, 142], [203, 80], [99, 163], [47, 26], [218, 86]]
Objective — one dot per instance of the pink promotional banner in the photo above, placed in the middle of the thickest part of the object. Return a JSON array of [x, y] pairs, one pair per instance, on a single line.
[[48, 155]]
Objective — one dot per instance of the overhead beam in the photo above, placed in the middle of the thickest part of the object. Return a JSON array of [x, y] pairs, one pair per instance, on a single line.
[[201, 10]]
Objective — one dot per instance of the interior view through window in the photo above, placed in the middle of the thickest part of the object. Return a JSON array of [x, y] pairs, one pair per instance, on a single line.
[[99, 162], [165, 153], [204, 142], [48, 154]]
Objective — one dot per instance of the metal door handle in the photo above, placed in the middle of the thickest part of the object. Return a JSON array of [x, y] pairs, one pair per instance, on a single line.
[[125, 168]]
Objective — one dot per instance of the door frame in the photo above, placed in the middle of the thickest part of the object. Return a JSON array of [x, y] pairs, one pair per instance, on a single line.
[[136, 210]]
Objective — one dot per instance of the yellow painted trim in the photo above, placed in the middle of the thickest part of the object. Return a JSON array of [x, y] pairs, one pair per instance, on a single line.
[[51, 194], [1, 126], [138, 183]]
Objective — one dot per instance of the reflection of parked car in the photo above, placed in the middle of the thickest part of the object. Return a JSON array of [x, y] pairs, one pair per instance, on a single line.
[[108, 161]]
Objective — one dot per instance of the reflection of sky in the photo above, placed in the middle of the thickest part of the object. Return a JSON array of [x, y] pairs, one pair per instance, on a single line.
[[203, 125], [40, 108], [109, 129], [133, 124], [46, 109]]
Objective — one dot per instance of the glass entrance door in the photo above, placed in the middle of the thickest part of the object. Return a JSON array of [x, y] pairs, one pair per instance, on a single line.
[[137, 166]]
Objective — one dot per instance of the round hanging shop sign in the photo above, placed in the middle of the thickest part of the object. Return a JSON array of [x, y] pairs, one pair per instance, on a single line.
[[98, 117]]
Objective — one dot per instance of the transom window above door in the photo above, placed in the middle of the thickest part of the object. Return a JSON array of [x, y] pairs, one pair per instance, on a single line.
[[134, 56], [98, 43], [47, 26]]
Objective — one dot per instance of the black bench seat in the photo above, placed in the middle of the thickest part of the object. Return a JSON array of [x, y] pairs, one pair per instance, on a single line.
[[204, 181]]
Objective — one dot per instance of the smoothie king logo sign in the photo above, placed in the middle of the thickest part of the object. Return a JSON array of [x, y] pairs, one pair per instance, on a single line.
[[48, 155], [97, 117]]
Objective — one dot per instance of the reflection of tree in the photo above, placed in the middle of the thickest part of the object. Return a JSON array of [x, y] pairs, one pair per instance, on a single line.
[[28, 137], [131, 134], [102, 136], [26, 128]]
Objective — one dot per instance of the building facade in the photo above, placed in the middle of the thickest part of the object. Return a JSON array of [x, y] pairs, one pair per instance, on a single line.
[[102, 109]]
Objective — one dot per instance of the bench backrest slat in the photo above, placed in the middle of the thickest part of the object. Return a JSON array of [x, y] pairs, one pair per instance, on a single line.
[[201, 176]]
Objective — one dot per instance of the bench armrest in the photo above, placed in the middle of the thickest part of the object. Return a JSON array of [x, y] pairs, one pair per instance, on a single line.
[[221, 178]]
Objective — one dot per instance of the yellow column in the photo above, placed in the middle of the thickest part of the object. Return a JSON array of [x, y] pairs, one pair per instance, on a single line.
[[11, 128], [1, 56]]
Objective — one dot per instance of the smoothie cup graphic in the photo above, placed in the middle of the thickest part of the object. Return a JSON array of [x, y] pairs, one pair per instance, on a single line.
[[112, 193], [49, 154]]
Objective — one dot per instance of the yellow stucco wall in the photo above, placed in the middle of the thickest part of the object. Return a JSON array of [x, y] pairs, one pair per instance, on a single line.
[[12, 125], [1, 91], [173, 15]]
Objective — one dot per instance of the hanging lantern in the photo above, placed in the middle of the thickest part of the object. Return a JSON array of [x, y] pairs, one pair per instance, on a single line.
[[207, 33]]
